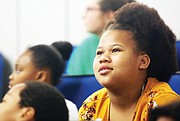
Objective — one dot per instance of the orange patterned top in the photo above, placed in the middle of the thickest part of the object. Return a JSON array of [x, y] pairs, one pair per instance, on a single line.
[[96, 106]]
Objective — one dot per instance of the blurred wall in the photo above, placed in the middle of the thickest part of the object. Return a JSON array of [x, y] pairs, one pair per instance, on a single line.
[[30, 22]]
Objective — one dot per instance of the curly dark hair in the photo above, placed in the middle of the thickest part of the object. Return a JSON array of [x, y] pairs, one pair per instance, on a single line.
[[151, 35], [49, 104], [171, 111]]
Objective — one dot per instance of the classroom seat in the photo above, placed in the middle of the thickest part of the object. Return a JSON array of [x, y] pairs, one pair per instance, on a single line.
[[175, 79], [175, 82], [178, 53], [5, 71], [78, 88]]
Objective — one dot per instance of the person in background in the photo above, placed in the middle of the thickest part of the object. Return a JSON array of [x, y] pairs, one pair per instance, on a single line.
[[135, 59], [97, 14], [170, 112], [65, 48], [33, 101], [42, 63]]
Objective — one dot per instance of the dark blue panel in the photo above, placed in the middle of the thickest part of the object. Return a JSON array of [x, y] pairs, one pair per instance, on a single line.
[[78, 88], [178, 53], [175, 83]]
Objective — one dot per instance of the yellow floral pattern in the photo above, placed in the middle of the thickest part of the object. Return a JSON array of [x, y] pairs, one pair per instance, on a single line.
[[96, 106]]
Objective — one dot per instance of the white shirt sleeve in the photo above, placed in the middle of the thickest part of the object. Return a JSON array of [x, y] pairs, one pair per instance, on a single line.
[[73, 111]]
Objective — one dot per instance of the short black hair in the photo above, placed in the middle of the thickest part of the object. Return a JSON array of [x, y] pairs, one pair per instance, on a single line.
[[48, 103], [64, 48], [151, 35], [171, 110], [44, 56]]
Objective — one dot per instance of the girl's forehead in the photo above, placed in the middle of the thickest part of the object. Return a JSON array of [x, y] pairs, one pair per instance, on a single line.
[[117, 35], [17, 86], [14, 93], [24, 58]]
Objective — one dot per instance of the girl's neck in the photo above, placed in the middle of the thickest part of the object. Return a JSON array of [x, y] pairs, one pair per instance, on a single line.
[[124, 99], [123, 106], [124, 114]]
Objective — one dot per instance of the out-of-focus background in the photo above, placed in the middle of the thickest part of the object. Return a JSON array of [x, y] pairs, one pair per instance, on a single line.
[[30, 22]]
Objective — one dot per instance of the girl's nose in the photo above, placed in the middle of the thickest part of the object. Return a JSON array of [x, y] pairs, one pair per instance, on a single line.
[[105, 59], [11, 76]]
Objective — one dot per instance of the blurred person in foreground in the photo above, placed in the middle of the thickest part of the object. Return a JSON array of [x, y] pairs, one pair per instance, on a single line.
[[33, 101], [170, 112]]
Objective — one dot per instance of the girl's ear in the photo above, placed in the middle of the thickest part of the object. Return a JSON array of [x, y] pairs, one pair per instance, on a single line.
[[27, 114], [42, 76], [144, 62]]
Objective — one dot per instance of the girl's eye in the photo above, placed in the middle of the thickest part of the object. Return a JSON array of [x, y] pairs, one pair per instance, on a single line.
[[17, 71], [99, 53], [115, 50]]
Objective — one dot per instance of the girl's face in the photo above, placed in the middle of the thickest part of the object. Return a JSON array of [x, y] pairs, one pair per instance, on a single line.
[[10, 109], [24, 70], [117, 61]]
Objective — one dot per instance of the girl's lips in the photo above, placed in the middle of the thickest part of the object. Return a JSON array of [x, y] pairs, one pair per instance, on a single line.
[[10, 85], [104, 70]]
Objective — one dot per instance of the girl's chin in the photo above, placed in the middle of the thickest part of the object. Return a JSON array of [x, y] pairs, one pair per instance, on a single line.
[[10, 86]]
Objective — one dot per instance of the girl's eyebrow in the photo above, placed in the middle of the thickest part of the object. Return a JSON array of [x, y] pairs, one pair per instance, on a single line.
[[111, 46], [117, 45], [18, 65]]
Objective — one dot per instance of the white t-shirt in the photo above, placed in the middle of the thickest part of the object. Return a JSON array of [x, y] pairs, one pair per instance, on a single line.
[[73, 111]]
